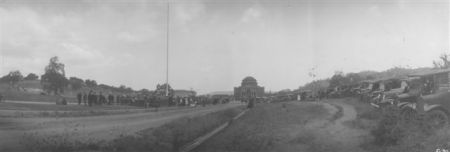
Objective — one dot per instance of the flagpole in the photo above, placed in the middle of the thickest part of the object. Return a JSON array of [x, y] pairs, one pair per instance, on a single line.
[[167, 49]]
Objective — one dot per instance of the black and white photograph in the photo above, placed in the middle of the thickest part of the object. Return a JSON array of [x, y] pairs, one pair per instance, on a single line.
[[224, 75]]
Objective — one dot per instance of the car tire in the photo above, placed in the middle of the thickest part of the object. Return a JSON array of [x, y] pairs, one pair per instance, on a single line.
[[437, 118]]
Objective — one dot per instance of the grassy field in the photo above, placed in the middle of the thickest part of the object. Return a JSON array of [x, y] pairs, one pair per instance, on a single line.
[[166, 138], [54, 107], [272, 127], [45, 110], [30, 90]]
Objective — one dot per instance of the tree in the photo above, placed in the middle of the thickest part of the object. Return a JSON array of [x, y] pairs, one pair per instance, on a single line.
[[353, 78], [76, 83], [338, 79], [370, 77], [31, 76], [12, 78], [161, 89], [443, 62], [54, 78], [90, 83], [145, 91], [122, 87]]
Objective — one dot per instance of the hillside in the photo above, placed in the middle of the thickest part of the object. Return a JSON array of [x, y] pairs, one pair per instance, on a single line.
[[396, 72]]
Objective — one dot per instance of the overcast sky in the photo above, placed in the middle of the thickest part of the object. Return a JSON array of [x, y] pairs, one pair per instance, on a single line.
[[214, 44]]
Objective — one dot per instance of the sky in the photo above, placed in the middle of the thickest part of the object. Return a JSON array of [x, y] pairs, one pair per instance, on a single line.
[[214, 44]]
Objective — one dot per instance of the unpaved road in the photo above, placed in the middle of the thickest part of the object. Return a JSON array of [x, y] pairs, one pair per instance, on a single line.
[[336, 130], [106, 127]]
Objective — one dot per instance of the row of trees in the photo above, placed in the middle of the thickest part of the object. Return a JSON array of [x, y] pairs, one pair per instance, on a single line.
[[14, 77], [54, 80]]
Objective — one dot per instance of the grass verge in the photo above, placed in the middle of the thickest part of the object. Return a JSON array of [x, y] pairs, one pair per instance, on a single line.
[[393, 133], [166, 138], [269, 127]]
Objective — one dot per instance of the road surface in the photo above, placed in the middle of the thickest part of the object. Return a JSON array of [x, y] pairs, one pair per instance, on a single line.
[[336, 130], [105, 127]]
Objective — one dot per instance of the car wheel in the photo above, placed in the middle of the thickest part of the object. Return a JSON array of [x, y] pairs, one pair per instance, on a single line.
[[437, 118], [408, 114]]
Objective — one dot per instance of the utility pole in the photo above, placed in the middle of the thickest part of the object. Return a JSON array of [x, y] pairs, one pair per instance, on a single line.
[[167, 48]]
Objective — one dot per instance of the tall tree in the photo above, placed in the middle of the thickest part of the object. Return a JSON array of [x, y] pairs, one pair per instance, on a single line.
[[161, 89], [90, 83], [76, 83], [338, 79], [443, 62], [54, 79], [353, 78], [31, 76], [13, 77]]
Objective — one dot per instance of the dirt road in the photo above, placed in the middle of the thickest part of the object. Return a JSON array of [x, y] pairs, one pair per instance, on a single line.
[[96, 127], [336, 130]]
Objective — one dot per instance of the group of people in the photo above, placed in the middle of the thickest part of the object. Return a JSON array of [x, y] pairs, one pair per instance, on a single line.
[[93, 98]]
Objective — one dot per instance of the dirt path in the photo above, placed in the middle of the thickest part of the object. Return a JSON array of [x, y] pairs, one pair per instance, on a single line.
[[95, 127], [347, 137]]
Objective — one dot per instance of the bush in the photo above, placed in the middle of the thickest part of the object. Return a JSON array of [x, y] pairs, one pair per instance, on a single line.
[[393, 133]]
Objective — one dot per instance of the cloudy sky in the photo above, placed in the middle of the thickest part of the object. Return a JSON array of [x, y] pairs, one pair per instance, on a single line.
[[214, 44]]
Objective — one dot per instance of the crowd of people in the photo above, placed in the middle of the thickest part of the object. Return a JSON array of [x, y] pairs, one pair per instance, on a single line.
[[93, 98]]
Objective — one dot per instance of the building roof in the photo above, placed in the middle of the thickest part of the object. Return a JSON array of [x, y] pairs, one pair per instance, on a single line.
[[249, 78], [249, 81]]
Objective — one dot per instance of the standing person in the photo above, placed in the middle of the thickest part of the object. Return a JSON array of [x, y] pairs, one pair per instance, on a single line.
[[96, 98], [102, 99], [79, 97], [156, 100], [251, 103], [146, 101], [85, 98], [170, 101], [110, 99], [203, 101], [118, 99], [90, 98]]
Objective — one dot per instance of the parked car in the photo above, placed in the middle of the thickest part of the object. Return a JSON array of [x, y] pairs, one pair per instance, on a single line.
[[429, 94], [367, 87], [389, 90], [307, 95]]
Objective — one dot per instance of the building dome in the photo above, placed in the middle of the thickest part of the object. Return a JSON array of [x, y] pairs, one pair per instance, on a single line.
[[249, 81]]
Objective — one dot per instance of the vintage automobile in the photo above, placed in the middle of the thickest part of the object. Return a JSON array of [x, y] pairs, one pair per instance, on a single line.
[[389, 90], [429, 94], [367, 87], [307, 95]]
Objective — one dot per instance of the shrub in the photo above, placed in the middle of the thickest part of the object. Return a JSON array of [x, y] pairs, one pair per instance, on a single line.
[[397, 134]]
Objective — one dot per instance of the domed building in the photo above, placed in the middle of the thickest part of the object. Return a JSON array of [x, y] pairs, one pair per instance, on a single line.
[[249, 89]]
